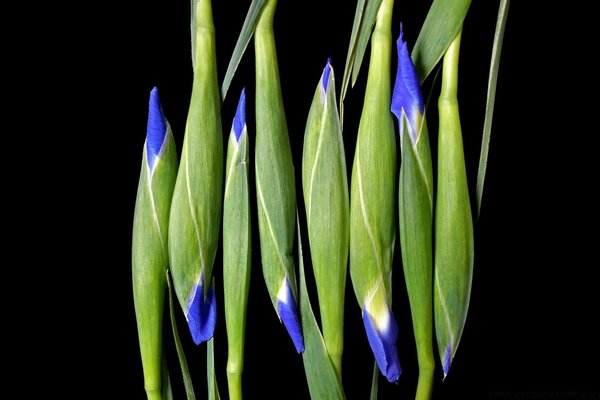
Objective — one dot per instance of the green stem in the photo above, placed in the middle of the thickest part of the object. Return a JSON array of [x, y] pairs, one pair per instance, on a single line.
[[234, 383], [153, 394], [450, 70]]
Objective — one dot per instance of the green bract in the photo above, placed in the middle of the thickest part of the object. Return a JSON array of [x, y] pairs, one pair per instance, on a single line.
[[453, 220], [325, 186], [149, 247], [196, 210]]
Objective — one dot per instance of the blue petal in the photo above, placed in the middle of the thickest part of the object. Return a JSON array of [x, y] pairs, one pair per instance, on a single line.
[[447, 360], [326, 73], [157, 128], [383, 345], [288, 312], [407, 94], [239, 121], [202, 315]]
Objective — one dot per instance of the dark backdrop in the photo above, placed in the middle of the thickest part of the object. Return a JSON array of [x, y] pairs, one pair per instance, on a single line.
[[526, 331]]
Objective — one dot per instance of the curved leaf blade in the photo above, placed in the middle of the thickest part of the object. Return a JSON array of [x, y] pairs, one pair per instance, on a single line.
[[491, 99], [443, 21], [322, 379], [242, 43]]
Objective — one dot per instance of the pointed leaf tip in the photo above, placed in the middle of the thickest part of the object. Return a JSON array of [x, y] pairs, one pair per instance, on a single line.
[[202, 315], [288, 312], [157, 128], [383, 344], [326, 74], [407, 96], [239, 121]]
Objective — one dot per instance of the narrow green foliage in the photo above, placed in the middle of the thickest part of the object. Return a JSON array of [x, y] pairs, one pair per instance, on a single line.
[[443, 21], [150, 256], [322, 377], [325, 184], [242, 42], [367, 23], [364, 20], [211, 376], [491, 98], [358, 16], [453, 221], [275, 184], [236, 255], [374, 383], [196, 210]]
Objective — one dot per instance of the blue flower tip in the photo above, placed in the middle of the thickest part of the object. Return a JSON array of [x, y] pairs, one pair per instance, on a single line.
[[383, 344], [239, 121], [447, 360], [156, 129], [288, 312], [202, 315], [326, 73]]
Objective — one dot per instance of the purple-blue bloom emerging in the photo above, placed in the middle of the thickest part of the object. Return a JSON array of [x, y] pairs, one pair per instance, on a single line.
[[407, 97], [157, 128], [288, 312], [202, 315], [326, 73], [239, 121], [383, 344]]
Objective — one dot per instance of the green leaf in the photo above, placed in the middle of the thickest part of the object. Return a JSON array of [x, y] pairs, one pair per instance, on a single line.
[[374, 383], [323, 382], [443, 21], [187, 379], [167, 390], [491, 97], [364, 20], [242, 43], [213, 389], [360, 6], [366, 28]]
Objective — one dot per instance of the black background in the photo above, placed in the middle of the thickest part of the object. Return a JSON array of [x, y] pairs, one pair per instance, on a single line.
[[528, 330]]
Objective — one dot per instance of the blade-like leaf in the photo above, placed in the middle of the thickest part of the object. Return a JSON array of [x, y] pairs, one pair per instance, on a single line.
[[323, 382], [187, 379], [368, 21], [443, 21], [374, 383], [360, 6], [242, 43], [167, 390], [213, 389], [491, 98]]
